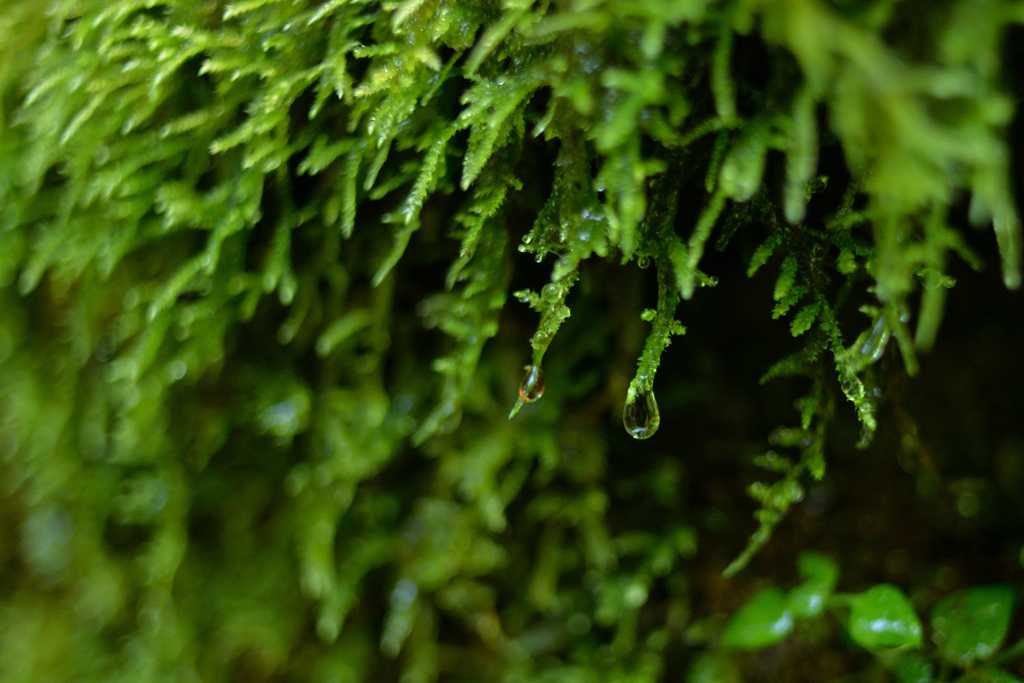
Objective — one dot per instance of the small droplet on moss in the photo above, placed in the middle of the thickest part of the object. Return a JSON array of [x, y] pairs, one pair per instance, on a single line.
[[551, 293], [873, 347], [532, 386], [641, 417]]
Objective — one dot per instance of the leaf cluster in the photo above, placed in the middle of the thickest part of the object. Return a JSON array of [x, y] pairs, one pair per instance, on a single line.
[[968, 627]]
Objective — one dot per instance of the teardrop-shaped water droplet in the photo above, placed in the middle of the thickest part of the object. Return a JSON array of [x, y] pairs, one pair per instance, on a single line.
[[532, 387], [641, 417]]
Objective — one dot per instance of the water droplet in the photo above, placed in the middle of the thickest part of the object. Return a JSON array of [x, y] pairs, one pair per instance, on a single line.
[[641, 417], [644, 262], [851, 384], [873, 347], [532, 387]]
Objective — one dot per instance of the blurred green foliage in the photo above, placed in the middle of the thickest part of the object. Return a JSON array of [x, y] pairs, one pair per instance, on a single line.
[[968, 627], [257, 348]]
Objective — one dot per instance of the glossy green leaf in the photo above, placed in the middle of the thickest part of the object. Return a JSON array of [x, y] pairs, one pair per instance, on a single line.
[[882, 617], [820, 575], [971, 624], [763, 620]]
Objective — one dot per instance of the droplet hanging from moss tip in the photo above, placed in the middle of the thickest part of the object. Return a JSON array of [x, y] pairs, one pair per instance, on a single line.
[[640, 416], [532, 386], [530, 389]]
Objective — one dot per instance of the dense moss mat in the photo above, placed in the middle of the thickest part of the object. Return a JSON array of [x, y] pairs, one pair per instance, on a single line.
[[271, 272]]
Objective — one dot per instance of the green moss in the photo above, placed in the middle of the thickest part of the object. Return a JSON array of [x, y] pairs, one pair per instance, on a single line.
[[234, 447]]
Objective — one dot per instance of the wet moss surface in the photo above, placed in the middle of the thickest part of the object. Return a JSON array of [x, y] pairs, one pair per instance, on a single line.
[[272, 274]]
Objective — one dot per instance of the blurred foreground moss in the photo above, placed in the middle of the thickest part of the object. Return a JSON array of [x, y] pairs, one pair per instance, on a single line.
[[258, 347]]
